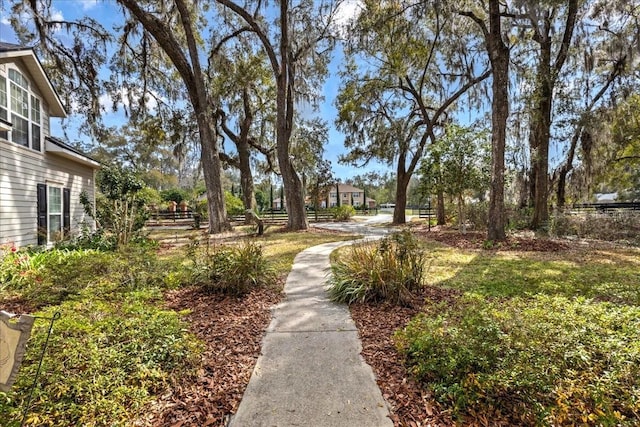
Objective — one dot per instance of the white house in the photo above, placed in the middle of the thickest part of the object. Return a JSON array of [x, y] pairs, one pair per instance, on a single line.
[[349, 195], [41, 178]]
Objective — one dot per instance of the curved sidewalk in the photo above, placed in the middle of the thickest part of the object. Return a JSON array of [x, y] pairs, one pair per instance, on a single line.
[[310, 372]]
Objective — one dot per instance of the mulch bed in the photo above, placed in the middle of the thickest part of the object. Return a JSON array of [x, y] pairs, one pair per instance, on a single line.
[[410, 404], [232, 330]]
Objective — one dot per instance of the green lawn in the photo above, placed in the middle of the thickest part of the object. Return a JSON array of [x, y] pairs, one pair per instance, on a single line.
[[612, 275]]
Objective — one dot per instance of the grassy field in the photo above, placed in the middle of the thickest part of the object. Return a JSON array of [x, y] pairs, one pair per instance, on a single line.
[[604, 274]]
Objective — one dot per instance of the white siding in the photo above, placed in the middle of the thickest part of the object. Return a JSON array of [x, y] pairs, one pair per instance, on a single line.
[[21, 169]]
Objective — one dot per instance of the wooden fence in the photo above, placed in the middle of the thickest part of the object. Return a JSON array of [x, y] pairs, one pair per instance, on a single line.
[[604, 208]]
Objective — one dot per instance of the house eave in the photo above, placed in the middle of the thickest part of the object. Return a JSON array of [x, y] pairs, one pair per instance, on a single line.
[[56, 109], [58, 148]]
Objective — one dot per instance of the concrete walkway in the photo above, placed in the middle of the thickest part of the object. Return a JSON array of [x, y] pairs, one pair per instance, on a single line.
[[310, 372]]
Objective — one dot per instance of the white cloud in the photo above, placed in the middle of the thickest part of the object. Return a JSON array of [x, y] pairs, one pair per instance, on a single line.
[[346, 12], [107, 103], [56, 15], [87, 4]]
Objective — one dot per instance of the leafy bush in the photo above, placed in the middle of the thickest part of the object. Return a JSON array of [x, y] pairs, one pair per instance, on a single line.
[[202, 208], [620, 225], [174, 195], [538, 361], [233, 270], [388, 270], [119, 206], [52, 276], [88, 239], [519, 218], [104, 362], [477, 215], [343, 213], [149, 196], [233, 204]]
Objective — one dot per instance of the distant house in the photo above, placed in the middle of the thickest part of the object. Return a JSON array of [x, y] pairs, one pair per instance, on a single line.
[[277, 204], [349, 195], [41, 178]]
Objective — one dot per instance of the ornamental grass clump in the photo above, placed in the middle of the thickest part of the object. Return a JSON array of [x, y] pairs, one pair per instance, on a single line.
[[230, 269], [390, 270]]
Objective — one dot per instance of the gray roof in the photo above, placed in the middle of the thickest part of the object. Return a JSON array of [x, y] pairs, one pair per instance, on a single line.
[[6, 47]]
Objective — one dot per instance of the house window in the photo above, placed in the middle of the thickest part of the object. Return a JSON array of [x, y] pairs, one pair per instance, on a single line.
[[35, 123], [23, 109], [55, 213], [4, 111]]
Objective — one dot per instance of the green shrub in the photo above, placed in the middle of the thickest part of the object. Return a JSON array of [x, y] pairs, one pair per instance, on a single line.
[[89, 239], [233, 270], [174, 194], [233, 204], [542, 360], [388, 270], [343, 213], [477, 214], [119, 206], [52, 276], [519, 218], [620, 225], [104, 362]]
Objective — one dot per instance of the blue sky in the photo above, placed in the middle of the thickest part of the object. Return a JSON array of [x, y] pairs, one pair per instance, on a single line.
[[105, 12]]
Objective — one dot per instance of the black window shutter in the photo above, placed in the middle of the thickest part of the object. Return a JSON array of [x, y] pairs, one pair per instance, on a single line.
[[66, 211], [42, 214]]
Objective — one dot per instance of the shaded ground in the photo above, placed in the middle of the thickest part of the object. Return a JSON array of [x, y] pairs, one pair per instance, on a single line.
[[232, 330]]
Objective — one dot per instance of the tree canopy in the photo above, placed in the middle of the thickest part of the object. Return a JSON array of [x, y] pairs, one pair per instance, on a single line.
[[216, 84]]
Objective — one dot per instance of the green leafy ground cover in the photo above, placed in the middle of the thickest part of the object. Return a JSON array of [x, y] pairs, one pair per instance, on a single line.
[[116, 346], [538, 338]]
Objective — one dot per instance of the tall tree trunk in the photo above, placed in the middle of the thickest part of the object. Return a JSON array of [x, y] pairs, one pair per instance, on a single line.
[[462, 225], [294, 194], [282, 64], [539, 137], [499, 57], [246, 178], [547, 74], [440, 213], [212, 177], [523, 190], [211, 165], [191, 73], [244, 158], [440, 209], [402, 183]]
